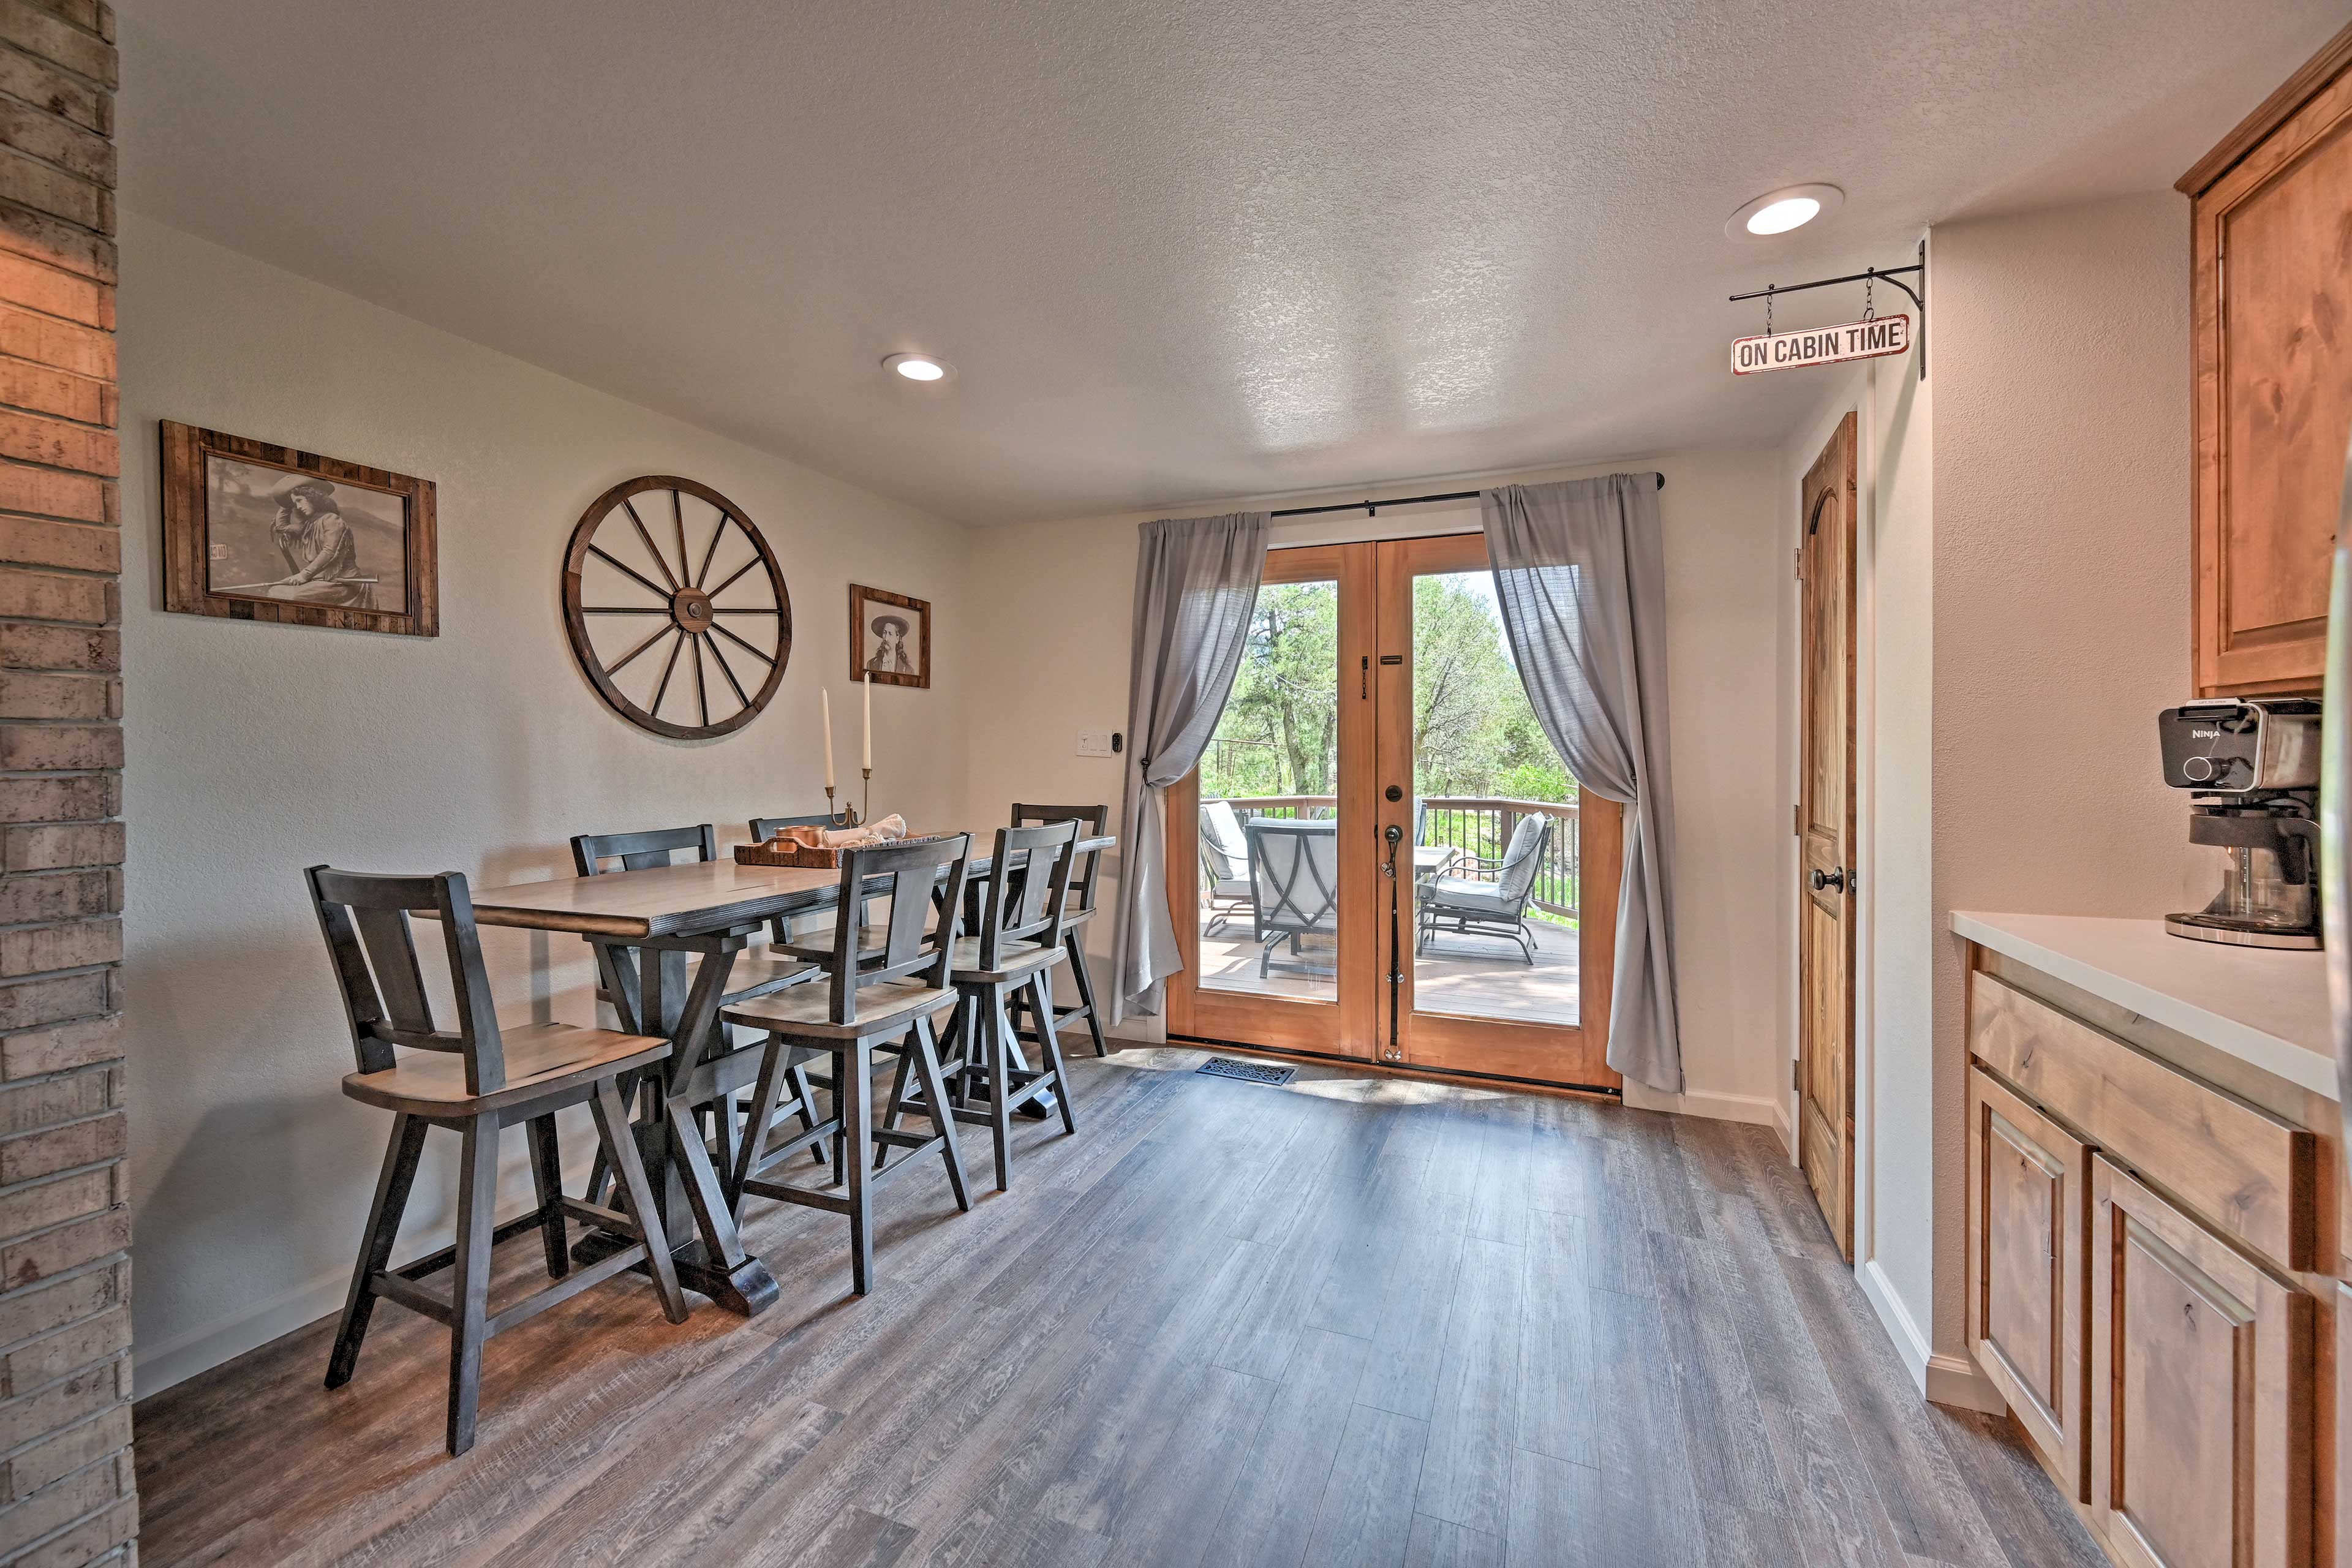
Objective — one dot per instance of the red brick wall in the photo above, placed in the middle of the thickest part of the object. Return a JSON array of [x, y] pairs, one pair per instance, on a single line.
[[65, 1494]]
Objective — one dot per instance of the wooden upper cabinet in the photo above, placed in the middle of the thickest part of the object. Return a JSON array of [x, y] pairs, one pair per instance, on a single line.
[[2272, 321]]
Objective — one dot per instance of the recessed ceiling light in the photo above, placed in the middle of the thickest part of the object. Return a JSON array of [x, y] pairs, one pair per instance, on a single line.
[[1778, 212], [920, 367]]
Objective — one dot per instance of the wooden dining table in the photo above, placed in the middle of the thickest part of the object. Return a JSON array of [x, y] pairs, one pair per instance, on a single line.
[[664, 913]]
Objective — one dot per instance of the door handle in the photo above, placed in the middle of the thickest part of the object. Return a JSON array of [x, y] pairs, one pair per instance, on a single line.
[[1835, 878]]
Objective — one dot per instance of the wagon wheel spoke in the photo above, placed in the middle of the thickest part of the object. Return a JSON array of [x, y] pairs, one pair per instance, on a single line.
[[701, 684], [728, 671], [620, 610], [747, 648], [663, 689], [677, 516], [626, 570], [651, 548], [722, 587], [715, 533], [623, 663], [770, 610]]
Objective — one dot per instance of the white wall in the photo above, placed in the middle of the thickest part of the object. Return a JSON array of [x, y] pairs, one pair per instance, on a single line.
[[257, 750], [1061, 598]]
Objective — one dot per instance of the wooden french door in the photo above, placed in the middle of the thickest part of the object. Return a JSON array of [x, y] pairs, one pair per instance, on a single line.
[[1825, 905], [1458, 976]]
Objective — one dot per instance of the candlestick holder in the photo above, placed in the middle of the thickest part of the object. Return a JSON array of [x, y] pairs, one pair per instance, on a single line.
[[847, 817], [868, 773]]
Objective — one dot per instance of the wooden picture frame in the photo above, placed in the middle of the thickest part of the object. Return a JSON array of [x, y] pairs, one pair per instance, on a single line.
[[302, 539], [903, 659]]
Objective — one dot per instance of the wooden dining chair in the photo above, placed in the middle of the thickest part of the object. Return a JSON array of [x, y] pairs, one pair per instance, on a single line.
[[784, 931], [475, 1080], [1092, 820], [884, 1002], [1024, 907]]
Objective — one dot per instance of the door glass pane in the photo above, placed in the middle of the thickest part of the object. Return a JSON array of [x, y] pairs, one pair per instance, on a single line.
[[1270, 806], [1494, 845]]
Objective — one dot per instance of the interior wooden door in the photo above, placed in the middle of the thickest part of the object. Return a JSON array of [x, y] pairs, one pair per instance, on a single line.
[[1825, 806], [1463, 995]]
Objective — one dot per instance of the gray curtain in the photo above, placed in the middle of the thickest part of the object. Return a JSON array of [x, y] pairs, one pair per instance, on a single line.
[[1195, 587], [1579, 571]]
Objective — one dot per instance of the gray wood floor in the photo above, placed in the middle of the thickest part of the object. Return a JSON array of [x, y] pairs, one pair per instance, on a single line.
[[1353, 1321]]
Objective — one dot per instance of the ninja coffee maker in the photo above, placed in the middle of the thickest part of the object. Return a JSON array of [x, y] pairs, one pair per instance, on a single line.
[[2252, 770]]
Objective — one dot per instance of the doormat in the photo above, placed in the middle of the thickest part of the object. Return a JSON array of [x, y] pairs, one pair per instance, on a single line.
[[1248, 1072]]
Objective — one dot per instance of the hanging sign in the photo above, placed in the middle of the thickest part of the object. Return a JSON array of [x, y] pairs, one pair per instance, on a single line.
[[1821, 345]]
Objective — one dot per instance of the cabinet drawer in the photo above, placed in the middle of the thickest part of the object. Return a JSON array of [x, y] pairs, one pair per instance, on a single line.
[[2203, 1383], [2029, 1201], [2241, 1170]]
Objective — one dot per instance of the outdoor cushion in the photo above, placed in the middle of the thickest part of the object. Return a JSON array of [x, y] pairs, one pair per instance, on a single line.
[[1478, 898]]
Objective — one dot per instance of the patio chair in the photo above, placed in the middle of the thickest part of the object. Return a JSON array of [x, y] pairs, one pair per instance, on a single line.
[[1294, 888], [1472, 906], [1225, 865]]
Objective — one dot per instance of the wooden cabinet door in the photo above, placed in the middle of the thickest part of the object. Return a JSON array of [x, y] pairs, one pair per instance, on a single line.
[[2202, 1381], [2272, 300], [2029, 1199]]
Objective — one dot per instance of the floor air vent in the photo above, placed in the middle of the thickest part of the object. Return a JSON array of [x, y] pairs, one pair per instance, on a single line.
[[1248, 1072]]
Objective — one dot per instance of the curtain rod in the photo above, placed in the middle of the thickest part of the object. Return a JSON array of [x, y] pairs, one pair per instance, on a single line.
[[1372, 508]]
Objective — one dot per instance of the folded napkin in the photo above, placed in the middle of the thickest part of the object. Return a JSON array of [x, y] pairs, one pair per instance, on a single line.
[[883, 832]]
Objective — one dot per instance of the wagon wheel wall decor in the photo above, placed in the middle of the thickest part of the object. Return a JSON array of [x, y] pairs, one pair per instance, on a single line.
[[676, 607]]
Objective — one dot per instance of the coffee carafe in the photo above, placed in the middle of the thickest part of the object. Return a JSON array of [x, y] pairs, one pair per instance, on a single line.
[[2251, 767]]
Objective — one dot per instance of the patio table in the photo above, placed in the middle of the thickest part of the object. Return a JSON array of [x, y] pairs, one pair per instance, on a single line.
[[713, 909]]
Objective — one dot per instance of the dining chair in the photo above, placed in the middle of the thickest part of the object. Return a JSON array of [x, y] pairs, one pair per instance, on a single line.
[[1025, 906], [884, 1002], [473, 1081], [785, 930], [1092, 820]]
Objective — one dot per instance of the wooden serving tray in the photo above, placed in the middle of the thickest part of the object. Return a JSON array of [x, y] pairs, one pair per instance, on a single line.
[[809, 856]]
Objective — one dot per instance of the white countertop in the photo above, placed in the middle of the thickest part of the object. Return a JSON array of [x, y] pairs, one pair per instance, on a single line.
[[2260, 1006]]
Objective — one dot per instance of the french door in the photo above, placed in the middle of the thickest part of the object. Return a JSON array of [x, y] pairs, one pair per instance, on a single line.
[[1378, 693]]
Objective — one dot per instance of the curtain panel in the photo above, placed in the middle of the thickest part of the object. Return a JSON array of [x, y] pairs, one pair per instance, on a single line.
[[1196, 583], [1580, 573]]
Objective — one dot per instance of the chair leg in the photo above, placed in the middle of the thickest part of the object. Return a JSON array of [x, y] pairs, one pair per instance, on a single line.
[[996, 1030], [805, 1104], [764, 1110], [897, 1111], [392, 1186], [1085, 981], [638, 1196], [478, 1192], [1049, 1046], [855, 1068], [547, 1179], [926, 1056]]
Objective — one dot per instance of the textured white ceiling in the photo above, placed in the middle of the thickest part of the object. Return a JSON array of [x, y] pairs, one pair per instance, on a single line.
[[1177, 250]]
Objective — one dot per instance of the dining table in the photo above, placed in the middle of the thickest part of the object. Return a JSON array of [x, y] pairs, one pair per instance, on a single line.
[[708, 910]]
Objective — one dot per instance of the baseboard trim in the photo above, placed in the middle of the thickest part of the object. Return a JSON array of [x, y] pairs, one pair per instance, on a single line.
[[1948, 1380], [1784, 1127], [1959, 1383], [1755, 1110]]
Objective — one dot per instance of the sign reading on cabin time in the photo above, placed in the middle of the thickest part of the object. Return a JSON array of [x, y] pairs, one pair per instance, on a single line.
[[1821, 345]]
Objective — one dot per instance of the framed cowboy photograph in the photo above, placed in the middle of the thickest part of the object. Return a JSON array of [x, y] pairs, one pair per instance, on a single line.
[[257, 532], [890, 638]]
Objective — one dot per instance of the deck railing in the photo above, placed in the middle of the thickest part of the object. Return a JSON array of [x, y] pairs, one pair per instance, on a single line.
[[1478, 825]]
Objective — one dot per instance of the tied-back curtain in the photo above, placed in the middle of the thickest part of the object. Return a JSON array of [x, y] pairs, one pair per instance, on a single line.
[[1580, 575], [1195, 589]]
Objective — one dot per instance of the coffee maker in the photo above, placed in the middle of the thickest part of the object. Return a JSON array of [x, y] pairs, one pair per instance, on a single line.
[[2252, 766]]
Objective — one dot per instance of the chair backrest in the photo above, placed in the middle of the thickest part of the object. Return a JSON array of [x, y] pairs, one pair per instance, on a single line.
[[1294, 876], [1523, 858], [1420, 823], [635, 851], [766, 827], [365, 919], [1026, 896], [919, 939], [1092, 820], [1221, 839]]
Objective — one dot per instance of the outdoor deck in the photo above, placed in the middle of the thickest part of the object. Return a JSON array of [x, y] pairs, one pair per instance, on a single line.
[[1474, 976]]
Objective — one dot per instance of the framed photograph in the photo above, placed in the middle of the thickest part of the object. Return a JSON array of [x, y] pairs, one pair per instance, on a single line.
[[257, 532], [890, 638]]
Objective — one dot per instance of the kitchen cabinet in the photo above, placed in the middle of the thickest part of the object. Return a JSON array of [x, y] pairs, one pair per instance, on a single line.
[[2271, 303]]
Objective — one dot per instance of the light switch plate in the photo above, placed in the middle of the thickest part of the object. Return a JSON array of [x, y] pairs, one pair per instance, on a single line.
[[1094, 743]]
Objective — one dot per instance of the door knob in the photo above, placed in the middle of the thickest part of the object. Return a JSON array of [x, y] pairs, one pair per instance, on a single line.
[[1830, 879]]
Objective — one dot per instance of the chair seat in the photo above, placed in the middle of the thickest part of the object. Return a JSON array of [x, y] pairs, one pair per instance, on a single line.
[[766, 970], [805, 1010], [1478, 898], [542, 1059], [1014, 959]]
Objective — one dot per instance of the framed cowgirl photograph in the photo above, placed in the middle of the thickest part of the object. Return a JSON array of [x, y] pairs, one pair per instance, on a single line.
[[890, 638], [257, 532]]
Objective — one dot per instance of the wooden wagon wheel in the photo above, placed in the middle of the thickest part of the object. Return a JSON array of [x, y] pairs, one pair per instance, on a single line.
[[663, 573]]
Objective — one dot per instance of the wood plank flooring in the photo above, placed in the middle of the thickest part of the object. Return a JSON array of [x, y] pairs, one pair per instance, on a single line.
[[1351, 1322]]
